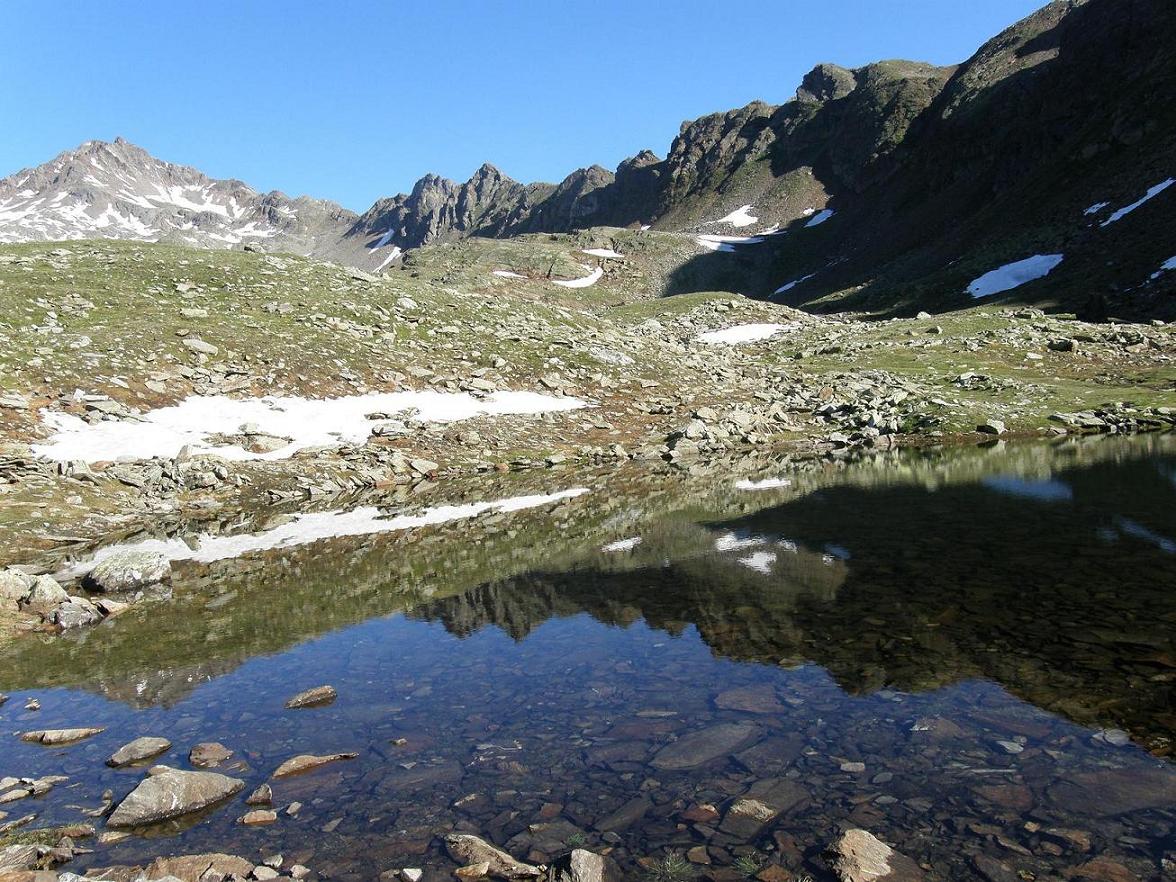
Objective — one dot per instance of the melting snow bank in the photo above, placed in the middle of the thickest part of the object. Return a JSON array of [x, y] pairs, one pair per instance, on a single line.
[[392, 255], [738, 218], [743, 334], [602, 252], [581, 283], [1150, 194], [727, 243], [1166, 266], [507, 274], [1013, 275], [303, 529], [819, 218], [306, 422]]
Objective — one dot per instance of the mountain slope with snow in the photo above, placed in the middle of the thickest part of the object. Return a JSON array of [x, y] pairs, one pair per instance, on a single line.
[[119, 191]]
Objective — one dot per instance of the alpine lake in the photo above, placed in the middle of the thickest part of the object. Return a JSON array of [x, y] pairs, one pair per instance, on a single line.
[[968, 652]]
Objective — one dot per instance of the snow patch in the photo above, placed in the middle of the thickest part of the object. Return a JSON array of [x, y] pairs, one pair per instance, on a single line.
[[304, 529], [734, 542], [507, 274], [392, 255], [790, 285], [1096, 208], [1166, 266], [738, 218], [727, 243], [743, 334], [819, 218], [602, 252], [306, 422], [585, 282], [1013, 275], [1150, 194]]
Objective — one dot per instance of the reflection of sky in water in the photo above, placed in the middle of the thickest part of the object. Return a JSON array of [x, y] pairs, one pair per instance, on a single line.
[[1168, 472], [1044, 491]]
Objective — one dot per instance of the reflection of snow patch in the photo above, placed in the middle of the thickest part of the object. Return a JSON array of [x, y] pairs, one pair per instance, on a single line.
[[760, 561], [738, 218], [733, 542], [384, 240], [764, 484], [303, 529], [622, 545], [820, 217], [1013, 275], [585, 282], [1150, 194], [743, 334], [307, 422]]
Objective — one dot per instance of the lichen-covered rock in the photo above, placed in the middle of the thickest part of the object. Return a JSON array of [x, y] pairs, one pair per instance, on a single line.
[[138, 750], [44, 596], [467, 849]]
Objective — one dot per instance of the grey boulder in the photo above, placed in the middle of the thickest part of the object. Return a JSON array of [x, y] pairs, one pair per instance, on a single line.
[[169, 793], [128, 571]]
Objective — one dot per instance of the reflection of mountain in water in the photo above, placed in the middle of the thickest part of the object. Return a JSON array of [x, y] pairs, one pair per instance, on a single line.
[[1061, 591]]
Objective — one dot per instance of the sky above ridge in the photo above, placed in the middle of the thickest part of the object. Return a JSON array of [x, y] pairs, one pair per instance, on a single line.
[[353, 101]]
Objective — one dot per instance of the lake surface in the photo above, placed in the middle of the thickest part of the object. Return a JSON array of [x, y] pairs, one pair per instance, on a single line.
[[971, 654]]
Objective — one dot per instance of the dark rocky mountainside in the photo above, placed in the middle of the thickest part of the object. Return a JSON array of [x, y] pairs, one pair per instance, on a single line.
[[929, 177], [119, 191]]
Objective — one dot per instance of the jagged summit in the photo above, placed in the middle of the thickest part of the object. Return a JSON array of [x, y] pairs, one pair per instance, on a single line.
[[117, 190]]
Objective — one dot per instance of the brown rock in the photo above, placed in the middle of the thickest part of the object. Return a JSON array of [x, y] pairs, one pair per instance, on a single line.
[[750, 699], [258, 817], [469, 849], [191, 867], [208, 755]]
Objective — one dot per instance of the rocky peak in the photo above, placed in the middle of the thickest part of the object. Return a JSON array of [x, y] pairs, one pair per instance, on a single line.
[[826, 82]]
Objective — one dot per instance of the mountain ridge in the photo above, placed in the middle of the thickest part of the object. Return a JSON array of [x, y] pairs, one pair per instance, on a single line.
[[931, 175]]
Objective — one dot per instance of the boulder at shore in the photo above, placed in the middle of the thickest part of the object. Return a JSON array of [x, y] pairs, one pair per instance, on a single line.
[[169, 793]]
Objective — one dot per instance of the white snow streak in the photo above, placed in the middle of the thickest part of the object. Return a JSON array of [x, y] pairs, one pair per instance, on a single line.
[[622, 545], [738, 218], [743, 334], [1150, 194], [585, 282], [819, 218], [1013, 275]]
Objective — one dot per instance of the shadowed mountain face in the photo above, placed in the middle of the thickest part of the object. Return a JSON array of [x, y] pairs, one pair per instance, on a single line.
[[1051, 588]]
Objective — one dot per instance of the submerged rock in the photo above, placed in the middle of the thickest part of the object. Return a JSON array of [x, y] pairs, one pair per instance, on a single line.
[[208, 755], [126, 571], [315, 697], [138, 750], [707, 744], [195, 867], [307, 762], [169, 793], [467, 849], [584, 866]]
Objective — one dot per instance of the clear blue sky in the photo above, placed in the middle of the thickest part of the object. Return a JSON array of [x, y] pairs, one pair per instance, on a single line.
[[355, 100]]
